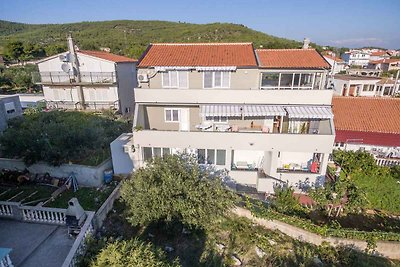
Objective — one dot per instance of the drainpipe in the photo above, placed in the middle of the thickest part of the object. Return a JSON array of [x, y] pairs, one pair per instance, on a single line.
[[76, 72]]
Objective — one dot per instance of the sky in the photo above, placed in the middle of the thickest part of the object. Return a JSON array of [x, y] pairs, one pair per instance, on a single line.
[[341, 23]]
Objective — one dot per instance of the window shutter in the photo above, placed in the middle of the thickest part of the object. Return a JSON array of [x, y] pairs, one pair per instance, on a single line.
[[183, 79], [208, 79], [165, 78], [225, 79]]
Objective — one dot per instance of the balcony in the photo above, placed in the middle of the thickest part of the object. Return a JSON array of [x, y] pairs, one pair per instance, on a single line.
[[62, 78], [90, 105]]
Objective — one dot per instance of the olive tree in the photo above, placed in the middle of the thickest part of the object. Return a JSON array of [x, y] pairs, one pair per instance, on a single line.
[[176, 188]]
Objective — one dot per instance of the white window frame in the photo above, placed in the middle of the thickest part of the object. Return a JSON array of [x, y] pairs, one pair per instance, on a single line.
[[215, 156], [292, 86], [218, 120], [172, 115], [152, 151], [179, 73], [213, 80]]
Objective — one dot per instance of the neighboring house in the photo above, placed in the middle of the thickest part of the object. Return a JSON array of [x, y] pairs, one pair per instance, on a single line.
[[387, 87], [370, 124], [10, 107], [349, 85], [92, 80], [378, 55], [264, 115], [338, 65], [385, 64], [356, 58]]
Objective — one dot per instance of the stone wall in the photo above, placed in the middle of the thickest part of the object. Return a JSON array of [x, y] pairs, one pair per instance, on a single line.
[[86, 175]]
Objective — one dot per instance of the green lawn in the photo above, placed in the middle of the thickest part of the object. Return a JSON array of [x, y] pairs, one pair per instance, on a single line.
[[89, 198]]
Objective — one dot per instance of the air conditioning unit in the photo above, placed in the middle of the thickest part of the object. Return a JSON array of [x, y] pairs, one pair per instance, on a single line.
[[65, 57], [143, 78]]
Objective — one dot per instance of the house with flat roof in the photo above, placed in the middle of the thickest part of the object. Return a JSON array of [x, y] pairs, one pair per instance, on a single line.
[[356, 57], [369, 124], [387, 64], [88, 80], [263, 115], [352, 85]]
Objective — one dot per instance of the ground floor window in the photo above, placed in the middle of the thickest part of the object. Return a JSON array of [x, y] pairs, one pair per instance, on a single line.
[[211, 156], [151, 152]]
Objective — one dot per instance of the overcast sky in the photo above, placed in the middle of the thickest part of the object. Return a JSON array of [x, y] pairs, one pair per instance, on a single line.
[[350, 23]]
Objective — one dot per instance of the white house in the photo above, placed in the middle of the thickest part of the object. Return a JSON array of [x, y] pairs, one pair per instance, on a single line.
[[338, 65], [378, 55], [350, 85], [356, 58], [93, 80], [264, 116]]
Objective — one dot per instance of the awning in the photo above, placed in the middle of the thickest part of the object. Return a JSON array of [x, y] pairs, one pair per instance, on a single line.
[[309, 112], [238, 110], [263, 110], [221, 110], [216, 68]]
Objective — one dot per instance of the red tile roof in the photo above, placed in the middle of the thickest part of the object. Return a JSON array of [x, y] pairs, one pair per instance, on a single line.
[[291, 58], [367, 114], [379, 53], [107, 56], [334, 58], [199, 54], [370, 138], [386, 60]]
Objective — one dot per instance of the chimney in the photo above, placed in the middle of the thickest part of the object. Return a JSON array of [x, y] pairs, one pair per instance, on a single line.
[[306, 43]]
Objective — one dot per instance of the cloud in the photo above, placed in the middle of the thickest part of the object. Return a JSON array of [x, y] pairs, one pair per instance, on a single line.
[[358, 41]]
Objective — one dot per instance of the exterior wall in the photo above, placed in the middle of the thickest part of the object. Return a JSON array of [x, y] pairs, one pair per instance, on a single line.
[[86, 175], [121, 162], [339, 85], [218, 96], [336, 66], [126, 78], [4, 116]]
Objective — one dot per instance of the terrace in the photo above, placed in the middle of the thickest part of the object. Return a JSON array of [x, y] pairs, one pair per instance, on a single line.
[[64, 78]]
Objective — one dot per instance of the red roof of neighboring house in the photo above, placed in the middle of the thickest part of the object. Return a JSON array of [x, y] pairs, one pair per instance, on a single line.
[[386, 60], [367, 114], [379, 53], [107, 56], [291, 58], [334, 58], [370, 138], [199, 54]]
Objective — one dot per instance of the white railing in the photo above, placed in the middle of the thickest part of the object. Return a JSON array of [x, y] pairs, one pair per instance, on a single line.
[[6, 260], [79, 246], [43, 215], [5, 209], [387, 162]]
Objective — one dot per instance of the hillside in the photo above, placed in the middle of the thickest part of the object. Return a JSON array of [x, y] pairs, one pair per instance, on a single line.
[[130, 38]]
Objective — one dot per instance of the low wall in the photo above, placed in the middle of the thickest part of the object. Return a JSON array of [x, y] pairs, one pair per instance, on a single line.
[[86, 175], [388, 249], [102, 212]]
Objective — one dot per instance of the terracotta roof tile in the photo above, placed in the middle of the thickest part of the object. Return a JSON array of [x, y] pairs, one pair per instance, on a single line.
[[386, 60], [367, 114], [334, 58], [379, 139], [107, 56], [199, 54], [379, 53], [291, 58]]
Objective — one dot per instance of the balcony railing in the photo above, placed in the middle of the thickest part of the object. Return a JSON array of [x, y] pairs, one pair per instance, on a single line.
[[59, 77], [90, 105]]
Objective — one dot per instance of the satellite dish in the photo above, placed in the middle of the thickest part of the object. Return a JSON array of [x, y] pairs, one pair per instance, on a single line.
[[65, 67]]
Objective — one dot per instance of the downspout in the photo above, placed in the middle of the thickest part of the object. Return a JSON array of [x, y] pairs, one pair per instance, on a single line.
[[76, 72]]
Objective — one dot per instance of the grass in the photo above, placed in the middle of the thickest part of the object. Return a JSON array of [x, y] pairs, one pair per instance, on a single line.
[[89, 198]]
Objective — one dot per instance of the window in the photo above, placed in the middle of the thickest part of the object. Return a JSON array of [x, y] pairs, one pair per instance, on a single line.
[[217, 118], [150, 152], [10, 107], [368, 87], [216, 79], [171, 115], [211, 156], [175, 79], [286, 80], [270, 80]]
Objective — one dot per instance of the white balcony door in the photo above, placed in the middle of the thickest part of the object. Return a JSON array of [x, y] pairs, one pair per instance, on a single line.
[[184, 123]]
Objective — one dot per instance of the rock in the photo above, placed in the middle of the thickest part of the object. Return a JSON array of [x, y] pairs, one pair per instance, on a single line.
[[169, 249], [271, 242], [220, 247], [260, 253], [236, 261]]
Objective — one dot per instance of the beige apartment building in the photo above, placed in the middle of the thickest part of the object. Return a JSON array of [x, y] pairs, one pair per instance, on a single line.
[[264, 115]]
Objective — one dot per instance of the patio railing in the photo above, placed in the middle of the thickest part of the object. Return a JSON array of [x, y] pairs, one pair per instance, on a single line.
[[59, 77]]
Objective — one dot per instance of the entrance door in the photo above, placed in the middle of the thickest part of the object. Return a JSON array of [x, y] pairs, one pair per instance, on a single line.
[[184, 123]]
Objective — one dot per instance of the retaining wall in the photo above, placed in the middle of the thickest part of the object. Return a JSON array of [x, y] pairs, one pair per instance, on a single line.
[[86, 175], [102, 212]]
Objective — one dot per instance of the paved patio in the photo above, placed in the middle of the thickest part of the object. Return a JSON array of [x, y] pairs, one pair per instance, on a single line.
[[35, 244]]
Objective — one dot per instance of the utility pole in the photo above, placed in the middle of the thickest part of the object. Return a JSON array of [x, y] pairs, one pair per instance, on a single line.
[[396, 82], [75, 69]]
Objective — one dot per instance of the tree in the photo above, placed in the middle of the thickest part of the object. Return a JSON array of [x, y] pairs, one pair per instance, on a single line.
[[132, 253], [175, 188], [285, 201], [14, 50]]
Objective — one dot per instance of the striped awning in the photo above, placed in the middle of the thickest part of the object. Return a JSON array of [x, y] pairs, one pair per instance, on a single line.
[[263, 110], [309, 112], [238, 110], [221, 110]]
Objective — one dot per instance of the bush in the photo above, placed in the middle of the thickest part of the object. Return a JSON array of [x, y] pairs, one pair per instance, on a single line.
[[175, 188], [132, 253], [60, 137]]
